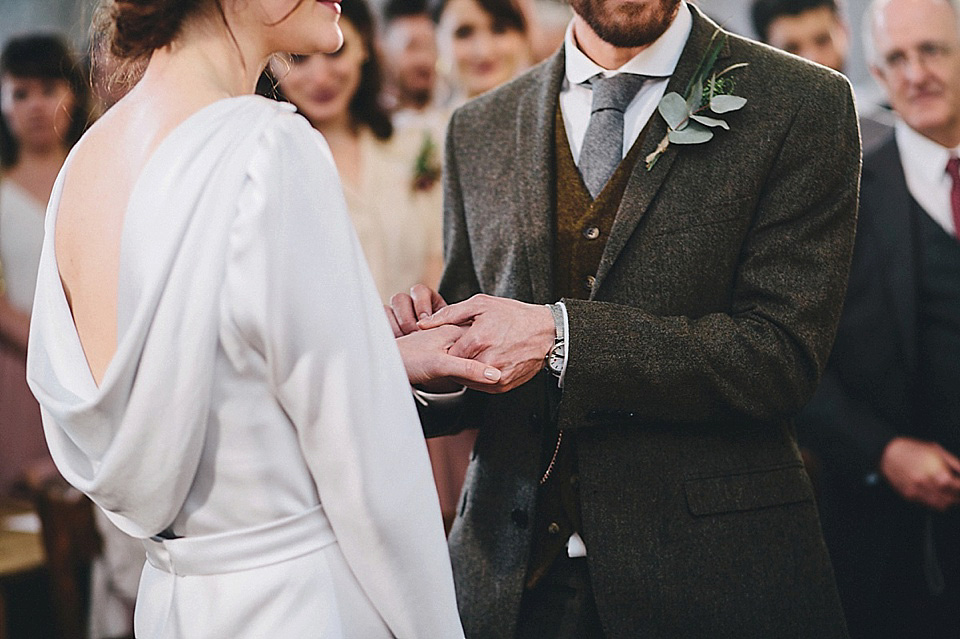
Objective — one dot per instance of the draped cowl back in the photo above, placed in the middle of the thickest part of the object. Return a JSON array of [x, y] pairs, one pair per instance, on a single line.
[[134, 447], [256, 381]]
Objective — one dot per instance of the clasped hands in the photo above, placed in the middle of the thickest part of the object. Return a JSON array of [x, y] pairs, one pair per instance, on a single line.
[[492, 344], [922, 472]]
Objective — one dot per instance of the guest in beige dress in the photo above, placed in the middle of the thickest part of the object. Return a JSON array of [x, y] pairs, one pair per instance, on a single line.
[[390, 177]]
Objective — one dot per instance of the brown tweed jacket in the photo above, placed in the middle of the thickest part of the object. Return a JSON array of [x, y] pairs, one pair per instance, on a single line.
[[713, 312]]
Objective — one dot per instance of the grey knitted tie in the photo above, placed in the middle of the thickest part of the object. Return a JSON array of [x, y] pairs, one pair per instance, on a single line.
[[602, 148]]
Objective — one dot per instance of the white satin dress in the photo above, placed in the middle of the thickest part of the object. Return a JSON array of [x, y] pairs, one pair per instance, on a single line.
[[255, 427]]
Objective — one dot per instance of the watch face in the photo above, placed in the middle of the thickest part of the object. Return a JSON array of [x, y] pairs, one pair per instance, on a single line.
[[555, 359], [556, 365]]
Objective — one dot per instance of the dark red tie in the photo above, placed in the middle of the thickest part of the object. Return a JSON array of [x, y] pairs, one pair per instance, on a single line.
[[953, 170]]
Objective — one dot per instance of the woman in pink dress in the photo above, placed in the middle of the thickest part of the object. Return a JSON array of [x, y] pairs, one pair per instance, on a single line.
[[43, 111]]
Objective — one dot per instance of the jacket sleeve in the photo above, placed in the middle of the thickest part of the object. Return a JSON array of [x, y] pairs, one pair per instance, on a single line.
[[762, 359]]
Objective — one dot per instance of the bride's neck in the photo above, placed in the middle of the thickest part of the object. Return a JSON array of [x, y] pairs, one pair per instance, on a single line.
[[205, 58]]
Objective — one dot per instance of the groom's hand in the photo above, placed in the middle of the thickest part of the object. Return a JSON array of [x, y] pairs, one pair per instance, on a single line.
[[511, 336], [425, 354], [405, 309], [429, 364]]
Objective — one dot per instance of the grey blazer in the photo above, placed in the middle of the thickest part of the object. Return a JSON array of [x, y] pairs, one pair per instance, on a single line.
[[709, 324]]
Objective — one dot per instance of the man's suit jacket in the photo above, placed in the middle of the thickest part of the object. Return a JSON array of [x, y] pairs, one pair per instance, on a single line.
[[869, 395], [711, 318]]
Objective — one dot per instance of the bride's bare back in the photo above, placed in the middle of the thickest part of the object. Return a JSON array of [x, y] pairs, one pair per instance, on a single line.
[[96, 192]]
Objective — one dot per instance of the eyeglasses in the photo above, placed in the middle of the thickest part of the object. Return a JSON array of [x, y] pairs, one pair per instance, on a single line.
[[926, 54]]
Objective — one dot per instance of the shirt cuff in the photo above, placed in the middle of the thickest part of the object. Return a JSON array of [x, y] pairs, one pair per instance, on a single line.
[[566, 340]]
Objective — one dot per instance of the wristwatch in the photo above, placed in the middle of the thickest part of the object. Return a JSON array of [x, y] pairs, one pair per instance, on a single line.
[[557, 355]]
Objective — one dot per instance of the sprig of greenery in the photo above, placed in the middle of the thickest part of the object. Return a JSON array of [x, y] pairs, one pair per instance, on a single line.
[[685, 115]]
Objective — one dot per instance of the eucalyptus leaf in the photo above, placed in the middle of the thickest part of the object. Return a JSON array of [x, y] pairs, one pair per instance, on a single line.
[[693, 134], [702, 119], [726, 103], [674, 110]]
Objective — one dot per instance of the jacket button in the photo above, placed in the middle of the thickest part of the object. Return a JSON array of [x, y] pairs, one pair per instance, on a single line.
[[591, 232], [519, 518], [575, 480], [553, 528], [588, 282]]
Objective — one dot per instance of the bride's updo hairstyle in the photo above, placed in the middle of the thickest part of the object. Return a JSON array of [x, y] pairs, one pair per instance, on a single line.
[[126, 32], [141, 26]]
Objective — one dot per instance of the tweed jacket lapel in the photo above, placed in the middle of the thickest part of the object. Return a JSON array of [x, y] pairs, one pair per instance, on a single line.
[[644, 185], [535, 196]]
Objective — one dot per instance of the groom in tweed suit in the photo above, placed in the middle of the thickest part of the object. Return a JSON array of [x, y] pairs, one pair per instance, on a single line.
[[646, 483]]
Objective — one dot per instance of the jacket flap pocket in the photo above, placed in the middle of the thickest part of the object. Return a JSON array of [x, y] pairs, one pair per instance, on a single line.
[[747, 491]]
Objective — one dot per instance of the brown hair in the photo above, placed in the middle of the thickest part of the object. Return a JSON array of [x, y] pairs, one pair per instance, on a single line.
[[135, 28], [125, 33]]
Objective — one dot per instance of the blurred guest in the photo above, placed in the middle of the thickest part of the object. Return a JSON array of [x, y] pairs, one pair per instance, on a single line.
[[410, 58], [887, 414], [44, 103], [43, 100], [483, 43], [811, 29], [392, 192], [817, 31]]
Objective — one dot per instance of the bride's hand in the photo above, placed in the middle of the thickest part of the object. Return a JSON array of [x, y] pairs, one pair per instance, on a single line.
[[405, 309], [429, 364]]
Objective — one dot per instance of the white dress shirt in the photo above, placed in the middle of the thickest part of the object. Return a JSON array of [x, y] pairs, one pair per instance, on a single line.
[[658, 60], [925, 167]]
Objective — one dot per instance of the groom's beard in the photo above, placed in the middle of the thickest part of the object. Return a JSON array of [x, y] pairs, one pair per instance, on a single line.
[[627, 24]]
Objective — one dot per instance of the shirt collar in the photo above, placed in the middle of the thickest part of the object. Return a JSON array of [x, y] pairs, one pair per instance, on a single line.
[[924, 156], [658, 60]]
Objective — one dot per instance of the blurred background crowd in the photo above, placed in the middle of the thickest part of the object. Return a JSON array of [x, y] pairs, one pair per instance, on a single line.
[[382, 103]]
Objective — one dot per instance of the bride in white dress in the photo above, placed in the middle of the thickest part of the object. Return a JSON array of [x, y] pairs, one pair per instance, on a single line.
[[214, 368]]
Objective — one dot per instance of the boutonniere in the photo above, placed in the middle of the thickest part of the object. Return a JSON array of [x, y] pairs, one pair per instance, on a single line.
[[707, 92], [426, 168]]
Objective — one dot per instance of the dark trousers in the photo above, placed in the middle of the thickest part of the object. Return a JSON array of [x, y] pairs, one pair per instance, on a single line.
[[561, 605]]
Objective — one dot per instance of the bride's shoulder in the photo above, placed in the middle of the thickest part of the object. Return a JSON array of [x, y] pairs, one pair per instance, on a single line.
[[290, 137]]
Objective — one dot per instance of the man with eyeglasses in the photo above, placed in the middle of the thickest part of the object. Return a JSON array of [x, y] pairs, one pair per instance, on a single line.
[[887, 414]]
